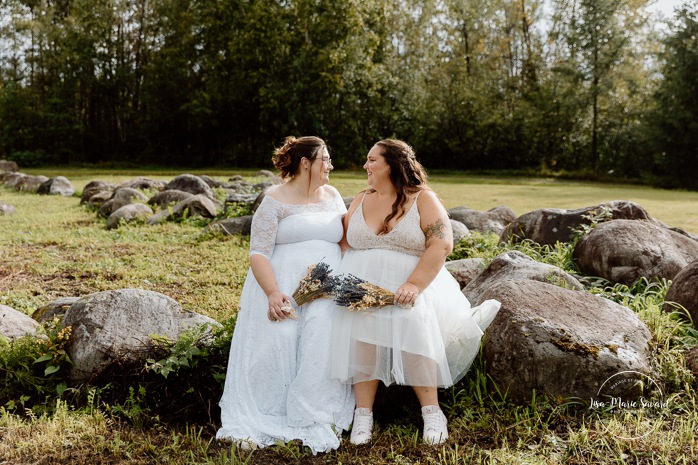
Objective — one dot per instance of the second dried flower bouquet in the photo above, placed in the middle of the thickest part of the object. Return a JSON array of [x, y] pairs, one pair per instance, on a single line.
[[348, 291], [359, 295]]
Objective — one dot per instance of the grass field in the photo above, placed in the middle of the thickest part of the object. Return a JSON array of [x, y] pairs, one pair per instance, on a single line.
[[52, 247], [676, 208]]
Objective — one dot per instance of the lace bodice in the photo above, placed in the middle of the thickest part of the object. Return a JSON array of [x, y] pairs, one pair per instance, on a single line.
[[276, 222], [407, 235]]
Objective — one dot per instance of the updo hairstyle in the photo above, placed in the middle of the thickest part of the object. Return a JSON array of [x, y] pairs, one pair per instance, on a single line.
[[287, 158]]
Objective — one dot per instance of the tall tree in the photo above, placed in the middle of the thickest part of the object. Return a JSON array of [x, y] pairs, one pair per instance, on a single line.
[[594, 38], [673, 122]]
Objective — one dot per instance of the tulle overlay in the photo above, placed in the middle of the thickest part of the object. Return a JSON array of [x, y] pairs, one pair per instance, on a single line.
[[278, 384], [432, 343]]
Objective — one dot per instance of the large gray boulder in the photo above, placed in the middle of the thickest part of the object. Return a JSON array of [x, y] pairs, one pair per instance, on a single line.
[[458, 231], [98, 199], [239, 186], [115, 327], [270, 178], [128, 214], [11, 178], [465, 270], [683, 232], [142, 183], [623, 251], [212, 181], [551, 225], [125, 196], [196, 205], [683, 292], [60, 185], [29, 183], [54, 309], [258, 201], [105, 209], [190, 183], [230, 226], [14, 324], [6, 165], [494, 220], [164, 199], [548, 340], [95, 187], [235, 198], [264, 185], [513, 265]]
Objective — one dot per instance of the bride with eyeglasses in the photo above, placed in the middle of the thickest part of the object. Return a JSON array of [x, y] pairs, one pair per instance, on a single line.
[[278, 385]]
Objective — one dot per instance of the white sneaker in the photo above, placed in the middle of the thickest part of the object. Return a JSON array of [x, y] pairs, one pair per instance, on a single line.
[[435, 425], [362, 427]]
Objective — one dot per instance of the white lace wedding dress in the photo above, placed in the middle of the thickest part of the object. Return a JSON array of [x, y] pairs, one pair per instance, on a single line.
[[278, 384], [431, 344]]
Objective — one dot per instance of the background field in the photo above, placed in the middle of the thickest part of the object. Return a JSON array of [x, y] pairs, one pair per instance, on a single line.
[[53, 247], [677, 208]]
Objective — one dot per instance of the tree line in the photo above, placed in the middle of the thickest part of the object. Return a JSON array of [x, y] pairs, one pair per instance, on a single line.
[[590, 86]]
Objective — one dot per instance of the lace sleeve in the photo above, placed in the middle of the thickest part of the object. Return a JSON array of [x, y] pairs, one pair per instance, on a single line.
[[265, 223]]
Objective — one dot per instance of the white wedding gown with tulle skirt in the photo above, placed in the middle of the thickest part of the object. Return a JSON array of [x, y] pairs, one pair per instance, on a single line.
[[278, 385], [432, 343]]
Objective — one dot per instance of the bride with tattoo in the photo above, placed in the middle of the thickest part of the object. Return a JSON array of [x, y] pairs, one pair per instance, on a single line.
[[397, 236]]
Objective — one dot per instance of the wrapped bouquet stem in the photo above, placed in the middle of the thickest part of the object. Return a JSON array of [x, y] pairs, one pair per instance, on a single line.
[[359, 295]]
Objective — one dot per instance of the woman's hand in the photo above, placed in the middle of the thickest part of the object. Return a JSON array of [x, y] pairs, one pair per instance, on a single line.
[[406, 294], [278, 306]]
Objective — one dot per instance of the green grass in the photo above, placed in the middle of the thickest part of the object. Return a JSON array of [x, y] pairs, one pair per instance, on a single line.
[[676, 208], [52, 247]]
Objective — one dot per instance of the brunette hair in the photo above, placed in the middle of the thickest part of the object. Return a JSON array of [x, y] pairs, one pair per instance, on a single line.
[[406, 173], [287, 158]]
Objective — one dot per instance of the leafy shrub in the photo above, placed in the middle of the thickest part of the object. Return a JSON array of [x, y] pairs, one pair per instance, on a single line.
[[477, 245], [33, 368], [182, 383]]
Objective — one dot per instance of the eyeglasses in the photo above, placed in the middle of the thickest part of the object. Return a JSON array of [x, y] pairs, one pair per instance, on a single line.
[[326, 160]]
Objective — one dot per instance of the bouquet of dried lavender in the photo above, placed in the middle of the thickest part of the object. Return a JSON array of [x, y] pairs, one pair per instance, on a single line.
[[317, 283], [358, 295]]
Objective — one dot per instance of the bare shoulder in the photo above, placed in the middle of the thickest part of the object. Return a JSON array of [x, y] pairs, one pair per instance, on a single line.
[[429, 200], [355, 203], [433, 217]]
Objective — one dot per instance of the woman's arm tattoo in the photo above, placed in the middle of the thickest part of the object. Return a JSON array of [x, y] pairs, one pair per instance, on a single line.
[[435, 229]]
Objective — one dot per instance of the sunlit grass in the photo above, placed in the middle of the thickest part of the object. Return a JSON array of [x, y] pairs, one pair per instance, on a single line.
[[676, 208], [52, 247]]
